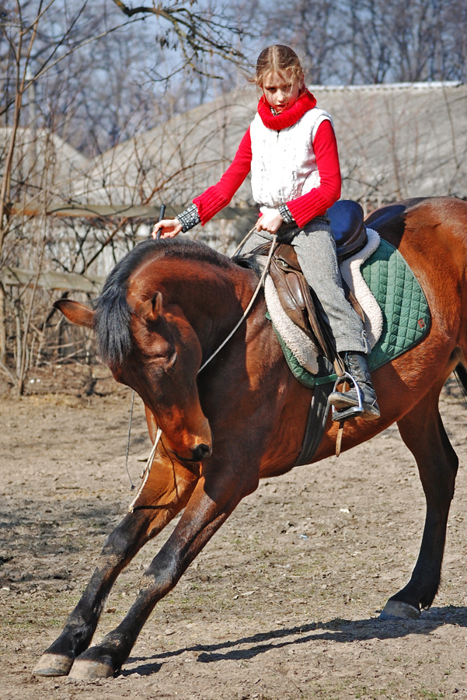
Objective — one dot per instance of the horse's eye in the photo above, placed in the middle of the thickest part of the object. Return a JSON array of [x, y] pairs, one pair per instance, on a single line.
[[171, 363]]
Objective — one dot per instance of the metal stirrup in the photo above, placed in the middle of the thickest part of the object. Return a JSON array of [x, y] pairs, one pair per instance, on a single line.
[[352, 411]]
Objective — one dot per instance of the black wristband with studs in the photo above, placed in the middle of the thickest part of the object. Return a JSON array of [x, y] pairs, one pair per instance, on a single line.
[[189, 217]]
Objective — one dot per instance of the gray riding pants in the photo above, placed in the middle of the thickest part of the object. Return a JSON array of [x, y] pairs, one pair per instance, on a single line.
[[316, 252]]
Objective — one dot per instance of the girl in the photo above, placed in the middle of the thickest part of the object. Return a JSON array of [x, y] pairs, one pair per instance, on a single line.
[[291, 150]]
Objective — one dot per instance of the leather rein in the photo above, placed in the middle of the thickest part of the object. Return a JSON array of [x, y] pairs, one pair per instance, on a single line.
[[147, 468]]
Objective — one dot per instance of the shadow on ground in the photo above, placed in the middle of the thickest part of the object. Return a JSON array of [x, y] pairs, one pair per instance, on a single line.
[[337, 630]]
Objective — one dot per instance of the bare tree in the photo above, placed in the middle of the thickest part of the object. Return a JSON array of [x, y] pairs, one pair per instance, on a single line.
[[37, 39], [197, 32], [372, 41], [312, 28], [67, 73], [399, 41]]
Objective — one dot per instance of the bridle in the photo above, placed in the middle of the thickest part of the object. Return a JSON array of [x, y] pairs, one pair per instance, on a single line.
[[147, 469]]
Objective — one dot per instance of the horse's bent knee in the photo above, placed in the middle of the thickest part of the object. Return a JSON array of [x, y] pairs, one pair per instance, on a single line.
[[124, 541], [439, 499], [122, 538], [159, 580]]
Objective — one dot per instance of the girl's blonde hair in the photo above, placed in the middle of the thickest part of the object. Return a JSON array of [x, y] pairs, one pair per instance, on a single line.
[[278, 59]]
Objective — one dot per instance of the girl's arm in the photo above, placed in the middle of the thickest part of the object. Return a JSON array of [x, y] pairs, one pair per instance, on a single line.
[[218, 196], [214, 198], [319, 199]]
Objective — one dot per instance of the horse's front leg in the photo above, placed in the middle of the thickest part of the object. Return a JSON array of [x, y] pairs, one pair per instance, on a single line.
[[165, 499], [423, 432], [210, 505]]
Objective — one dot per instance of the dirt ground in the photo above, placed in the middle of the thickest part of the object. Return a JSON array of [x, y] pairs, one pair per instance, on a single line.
[[282, 604]]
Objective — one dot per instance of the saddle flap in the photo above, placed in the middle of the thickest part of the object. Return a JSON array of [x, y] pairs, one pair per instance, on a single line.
[[297, 299], [290, 294]]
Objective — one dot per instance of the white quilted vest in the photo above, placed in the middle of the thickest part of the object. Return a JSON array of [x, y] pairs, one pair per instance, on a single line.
[[283, 165]]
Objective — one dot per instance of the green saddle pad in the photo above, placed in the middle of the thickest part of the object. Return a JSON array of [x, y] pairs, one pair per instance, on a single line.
[[406, 315]]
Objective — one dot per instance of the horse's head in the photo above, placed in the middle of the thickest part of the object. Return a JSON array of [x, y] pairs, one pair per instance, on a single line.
[[154, 350]]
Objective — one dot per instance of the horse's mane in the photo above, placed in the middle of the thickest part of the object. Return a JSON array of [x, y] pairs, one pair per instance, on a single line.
[[112, 312]]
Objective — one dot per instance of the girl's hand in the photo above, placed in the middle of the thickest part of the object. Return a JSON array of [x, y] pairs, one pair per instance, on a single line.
[[270, 221], [168, 228]]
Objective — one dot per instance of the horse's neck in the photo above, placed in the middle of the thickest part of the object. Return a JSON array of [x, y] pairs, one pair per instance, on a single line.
[[214, 301]]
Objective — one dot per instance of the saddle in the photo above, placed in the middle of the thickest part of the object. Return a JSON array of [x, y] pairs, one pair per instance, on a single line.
[[297, 299]]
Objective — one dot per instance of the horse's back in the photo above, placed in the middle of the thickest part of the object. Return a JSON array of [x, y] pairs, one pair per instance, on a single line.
[[420, 214], [431, 234]]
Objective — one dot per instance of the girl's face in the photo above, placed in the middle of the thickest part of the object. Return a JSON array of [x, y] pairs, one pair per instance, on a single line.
[[281, 91]]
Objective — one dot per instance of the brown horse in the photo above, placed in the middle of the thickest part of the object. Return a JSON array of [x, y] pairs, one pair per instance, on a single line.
[[164, 309]]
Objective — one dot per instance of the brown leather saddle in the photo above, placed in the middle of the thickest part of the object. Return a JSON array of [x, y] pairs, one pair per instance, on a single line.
[[297, 299]]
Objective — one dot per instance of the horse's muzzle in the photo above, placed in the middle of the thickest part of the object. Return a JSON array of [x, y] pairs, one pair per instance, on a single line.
[[198, 453], [201, 452]]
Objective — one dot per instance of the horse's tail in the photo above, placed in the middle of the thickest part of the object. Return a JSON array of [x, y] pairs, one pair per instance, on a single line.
[[461, 376]]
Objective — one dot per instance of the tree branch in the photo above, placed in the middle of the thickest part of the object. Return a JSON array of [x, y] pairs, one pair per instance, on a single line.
[[194, 30]]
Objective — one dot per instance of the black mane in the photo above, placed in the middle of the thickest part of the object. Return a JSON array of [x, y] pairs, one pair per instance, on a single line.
[[113, 314]]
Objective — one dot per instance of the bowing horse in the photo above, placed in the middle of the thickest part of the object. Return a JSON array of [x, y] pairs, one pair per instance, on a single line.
[[164, 310]]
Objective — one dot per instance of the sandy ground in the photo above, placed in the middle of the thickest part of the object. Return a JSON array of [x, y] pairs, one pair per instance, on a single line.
[[282, 604]]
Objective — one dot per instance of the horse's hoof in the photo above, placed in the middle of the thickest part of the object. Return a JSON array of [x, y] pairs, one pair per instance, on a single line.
[[398, 610], [84, 670], [53, 665]]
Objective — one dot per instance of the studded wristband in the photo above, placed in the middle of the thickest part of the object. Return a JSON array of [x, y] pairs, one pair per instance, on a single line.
[[286, 214], [189, 217]]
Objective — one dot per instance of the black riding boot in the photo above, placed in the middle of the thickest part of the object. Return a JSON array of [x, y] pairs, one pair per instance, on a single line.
[[356, 364]]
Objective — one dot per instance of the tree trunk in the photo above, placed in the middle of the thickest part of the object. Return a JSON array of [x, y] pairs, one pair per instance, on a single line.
[[2, 326]]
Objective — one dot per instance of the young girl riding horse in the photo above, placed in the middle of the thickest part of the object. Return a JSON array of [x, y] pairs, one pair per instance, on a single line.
[[291, 150]]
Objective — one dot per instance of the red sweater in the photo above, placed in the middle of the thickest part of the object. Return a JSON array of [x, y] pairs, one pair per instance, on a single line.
[[304, 208]]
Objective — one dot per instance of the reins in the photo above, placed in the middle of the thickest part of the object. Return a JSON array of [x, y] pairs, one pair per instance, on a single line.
[[128, 440], [145, 474], [252, 300], [146, 470]]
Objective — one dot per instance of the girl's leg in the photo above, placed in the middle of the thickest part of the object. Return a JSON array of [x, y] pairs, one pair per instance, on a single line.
[[316, 253]]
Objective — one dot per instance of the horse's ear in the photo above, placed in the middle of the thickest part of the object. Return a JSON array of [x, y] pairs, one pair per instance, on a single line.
[[76, 313], [151, 309]]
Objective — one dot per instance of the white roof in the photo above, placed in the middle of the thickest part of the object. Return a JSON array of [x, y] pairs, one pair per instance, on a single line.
[[44, 160], [395, 141]]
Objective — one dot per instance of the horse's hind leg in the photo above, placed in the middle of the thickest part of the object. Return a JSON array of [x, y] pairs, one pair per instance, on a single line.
[[423, 432]]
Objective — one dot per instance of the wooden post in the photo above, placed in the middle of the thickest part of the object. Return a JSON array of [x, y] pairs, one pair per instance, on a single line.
[[2, 326]]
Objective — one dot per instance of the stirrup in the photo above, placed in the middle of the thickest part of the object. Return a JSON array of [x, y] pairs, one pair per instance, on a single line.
[[352, 411]]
